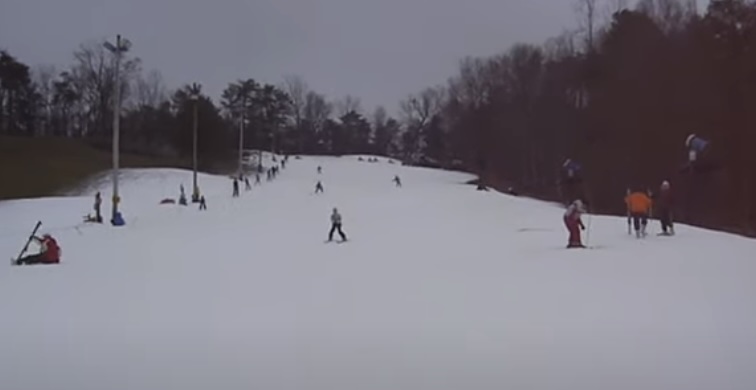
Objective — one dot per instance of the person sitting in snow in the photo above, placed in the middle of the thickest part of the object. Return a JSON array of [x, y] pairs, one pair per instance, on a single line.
[[639, 204], [336, 226], [49, 252], [574, 223]]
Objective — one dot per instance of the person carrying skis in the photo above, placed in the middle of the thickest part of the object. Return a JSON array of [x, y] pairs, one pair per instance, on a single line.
[[318, 187], [574, 223], [49, 252], [397, 181], [664, 209], [639, 205], [336, 226]]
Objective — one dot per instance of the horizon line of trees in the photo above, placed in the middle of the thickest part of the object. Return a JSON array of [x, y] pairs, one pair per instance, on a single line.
[[620, 94]]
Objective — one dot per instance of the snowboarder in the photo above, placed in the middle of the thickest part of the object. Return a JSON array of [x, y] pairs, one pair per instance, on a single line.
[[318, 187], [574, 223], [247, 186], [639, 205], [397, 181], [202, 204], [236, 188], [336, 226], [320, 169], [49, 252], [97, 208], [664, 209]]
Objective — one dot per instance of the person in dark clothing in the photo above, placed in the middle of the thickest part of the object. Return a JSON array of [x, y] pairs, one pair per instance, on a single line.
[[664, 206], [182, 196], [202, 204], [247, 187], [336, 226], [49, 252], [236, 188], [97, 208], [318, 187], [397, 181]]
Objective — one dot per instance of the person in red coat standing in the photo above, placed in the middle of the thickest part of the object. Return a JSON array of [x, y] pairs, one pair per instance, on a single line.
[[574, 224], [49, 252]]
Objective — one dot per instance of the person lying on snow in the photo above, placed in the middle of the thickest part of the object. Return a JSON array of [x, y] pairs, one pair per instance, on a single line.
[[49, 252], [574, 224]]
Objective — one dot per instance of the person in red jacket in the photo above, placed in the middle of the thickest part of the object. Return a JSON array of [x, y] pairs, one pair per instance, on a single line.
[[574, 224], [49, 252]]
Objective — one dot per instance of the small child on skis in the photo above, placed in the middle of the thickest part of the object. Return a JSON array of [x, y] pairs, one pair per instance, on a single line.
[[574, 223], [639, 204], [49, 252]]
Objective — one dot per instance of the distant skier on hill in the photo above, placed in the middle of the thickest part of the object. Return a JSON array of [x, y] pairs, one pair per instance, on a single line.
[[320, 169], [247, 187], [639, 205], [664, 206], [318, 187], [574, 223], [236, 187], [397, 181], [336, 226], [49, 252]]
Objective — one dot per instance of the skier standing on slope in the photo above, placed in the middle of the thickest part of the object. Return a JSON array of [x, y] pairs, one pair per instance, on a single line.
[[664, 209], [318, 187], [236, 188], [574, 223], [97, 206], [397, 181], [336, 226], [49, 252], [639, 205]]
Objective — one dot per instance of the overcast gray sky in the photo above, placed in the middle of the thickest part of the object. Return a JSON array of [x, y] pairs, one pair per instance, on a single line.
[[377, 50]]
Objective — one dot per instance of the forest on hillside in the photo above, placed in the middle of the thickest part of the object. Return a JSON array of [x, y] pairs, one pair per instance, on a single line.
[[620, 94]]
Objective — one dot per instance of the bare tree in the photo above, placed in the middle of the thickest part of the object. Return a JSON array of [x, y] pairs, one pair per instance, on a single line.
[[297, 90], [317, 111], [587, 13], [669, 15], [150, 90], [348, 104]]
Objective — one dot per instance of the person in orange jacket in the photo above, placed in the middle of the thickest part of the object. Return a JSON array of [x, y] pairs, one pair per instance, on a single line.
[[639, 205]]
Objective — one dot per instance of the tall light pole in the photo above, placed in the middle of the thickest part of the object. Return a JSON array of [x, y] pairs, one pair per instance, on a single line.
[[194, 94], [121, 46]]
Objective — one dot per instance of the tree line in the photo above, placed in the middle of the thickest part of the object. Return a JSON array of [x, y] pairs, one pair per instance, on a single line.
[[619, 94]]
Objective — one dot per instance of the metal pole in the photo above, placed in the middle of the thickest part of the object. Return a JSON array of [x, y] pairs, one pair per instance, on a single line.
[[195, 194], [116, 126], [241, 136]]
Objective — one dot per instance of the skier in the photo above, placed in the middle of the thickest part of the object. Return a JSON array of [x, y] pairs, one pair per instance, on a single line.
[[247, 187], [336, 225], [97, 205], [397, 181], [639, 205], [318, 187], [664, 209], [236, 188], [49, 252], [202, 204], [320, 169], [574, 223], [572, 181], [182, 196]]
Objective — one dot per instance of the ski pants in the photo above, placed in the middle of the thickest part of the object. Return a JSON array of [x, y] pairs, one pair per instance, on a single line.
[[573, 227], [665, 217], [336, 227], [31, 259], [640, 220]]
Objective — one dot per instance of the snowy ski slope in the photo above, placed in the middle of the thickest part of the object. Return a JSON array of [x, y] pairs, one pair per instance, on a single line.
[[440, 287]]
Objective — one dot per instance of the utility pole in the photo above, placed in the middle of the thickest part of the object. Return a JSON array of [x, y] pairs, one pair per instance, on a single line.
[[194, 94], [241, 132], [121, 46]]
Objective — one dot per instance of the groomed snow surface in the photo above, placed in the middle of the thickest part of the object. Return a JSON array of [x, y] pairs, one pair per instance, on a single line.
[[440, 287]]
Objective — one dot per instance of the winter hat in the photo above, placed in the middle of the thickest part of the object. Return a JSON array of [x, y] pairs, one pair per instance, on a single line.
[[665, 185]]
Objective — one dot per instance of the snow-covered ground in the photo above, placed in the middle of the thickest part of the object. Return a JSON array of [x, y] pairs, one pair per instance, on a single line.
[[441, 287]]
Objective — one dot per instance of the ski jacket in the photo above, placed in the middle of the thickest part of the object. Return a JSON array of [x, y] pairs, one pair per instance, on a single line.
[[638, 202], [49, 249], [335, 218]]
